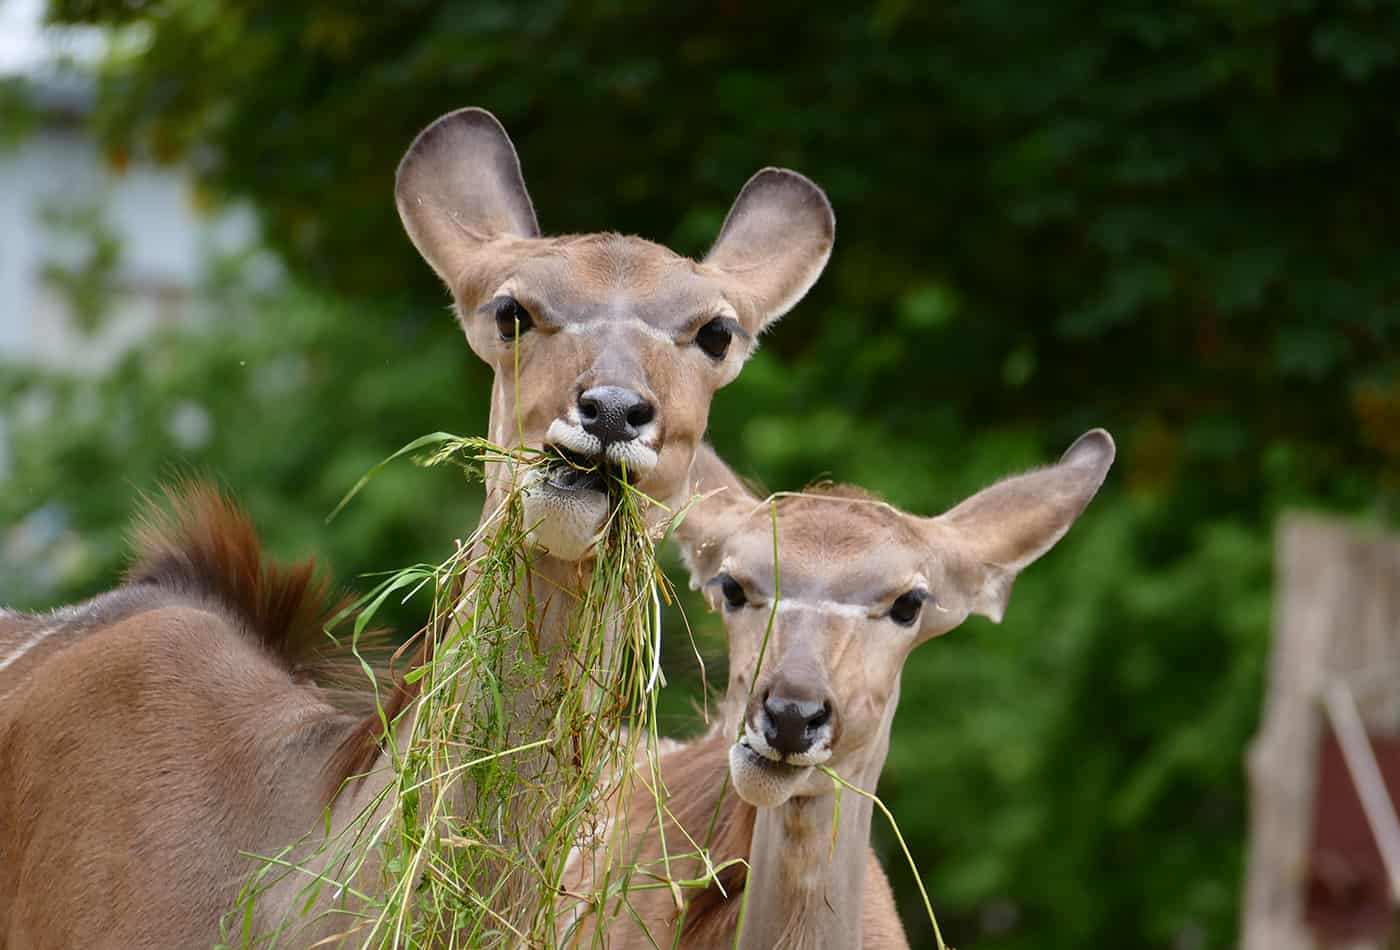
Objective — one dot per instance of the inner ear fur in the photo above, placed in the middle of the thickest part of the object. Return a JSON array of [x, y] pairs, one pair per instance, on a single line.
[[724, 504], [459, 187], [1005, 527], [775, 242]]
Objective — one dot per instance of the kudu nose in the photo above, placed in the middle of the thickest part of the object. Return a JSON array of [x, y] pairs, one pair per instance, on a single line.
[[613, 414], [790, 725]]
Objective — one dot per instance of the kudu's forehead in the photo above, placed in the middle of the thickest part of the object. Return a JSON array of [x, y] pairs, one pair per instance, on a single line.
[[612, 278], [834, 550]]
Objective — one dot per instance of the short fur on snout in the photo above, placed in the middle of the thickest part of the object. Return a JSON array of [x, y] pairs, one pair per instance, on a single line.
[[862, 584], [556, 317]]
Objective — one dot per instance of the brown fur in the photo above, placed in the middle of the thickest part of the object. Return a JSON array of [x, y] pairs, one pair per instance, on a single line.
[[27, 640], [205, 635], [205, 547], [194, 547], [201, 550], [362, 745]]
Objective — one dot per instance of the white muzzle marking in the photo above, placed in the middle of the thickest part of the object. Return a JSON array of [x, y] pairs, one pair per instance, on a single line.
[[635, 455]]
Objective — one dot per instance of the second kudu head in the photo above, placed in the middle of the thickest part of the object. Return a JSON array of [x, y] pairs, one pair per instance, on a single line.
[[607, 349], [858, 585]]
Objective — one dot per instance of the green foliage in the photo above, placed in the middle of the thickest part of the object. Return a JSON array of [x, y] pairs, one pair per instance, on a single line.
[[1193, 201], [286, 399], [17, 114], [88, 283], [1171, 220]]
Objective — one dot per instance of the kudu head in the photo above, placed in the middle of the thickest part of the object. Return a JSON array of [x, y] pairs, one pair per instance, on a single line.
[[860, 584], [607, 349]]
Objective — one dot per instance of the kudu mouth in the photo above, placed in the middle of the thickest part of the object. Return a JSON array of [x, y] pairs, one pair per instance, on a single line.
[[567, 503], [815, 754], [768, 769], [567, 470], [572, 471], [582, 461]]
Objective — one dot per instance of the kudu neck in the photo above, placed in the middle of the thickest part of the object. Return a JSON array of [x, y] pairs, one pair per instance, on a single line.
[[803, 890]]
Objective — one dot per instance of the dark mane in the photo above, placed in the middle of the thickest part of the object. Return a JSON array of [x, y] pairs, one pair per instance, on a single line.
[[200, 545], [203, 546]]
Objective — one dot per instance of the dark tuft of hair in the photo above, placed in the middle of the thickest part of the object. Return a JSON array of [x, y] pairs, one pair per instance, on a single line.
[[200, 544]]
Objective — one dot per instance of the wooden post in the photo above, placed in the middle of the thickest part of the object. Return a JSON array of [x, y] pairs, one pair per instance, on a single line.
[[1337, 619]]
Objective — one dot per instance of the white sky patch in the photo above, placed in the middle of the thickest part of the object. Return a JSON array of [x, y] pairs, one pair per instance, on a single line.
[[27, 46]]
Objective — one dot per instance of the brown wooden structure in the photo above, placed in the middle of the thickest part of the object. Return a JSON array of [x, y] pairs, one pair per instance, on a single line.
[[1323, 869]]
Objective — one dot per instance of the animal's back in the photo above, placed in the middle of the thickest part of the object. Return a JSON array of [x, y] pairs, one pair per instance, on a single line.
[[133, 783], [145, 753]]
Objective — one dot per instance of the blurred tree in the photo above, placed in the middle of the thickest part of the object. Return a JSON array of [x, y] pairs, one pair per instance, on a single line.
[[1194, 202], [1174, 220], [287, 399]]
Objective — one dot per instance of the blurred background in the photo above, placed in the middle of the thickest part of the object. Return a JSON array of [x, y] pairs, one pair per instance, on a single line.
[[1178, 221]]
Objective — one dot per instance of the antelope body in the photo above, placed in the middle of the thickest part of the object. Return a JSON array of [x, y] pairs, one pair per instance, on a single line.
[[152, 734]]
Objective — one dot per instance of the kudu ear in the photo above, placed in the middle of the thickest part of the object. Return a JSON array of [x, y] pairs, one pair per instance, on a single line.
[[775, 242], [458, 187], [1003, 528], [724, 503]]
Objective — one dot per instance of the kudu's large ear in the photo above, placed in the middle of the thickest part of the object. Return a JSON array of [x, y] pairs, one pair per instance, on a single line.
[[458, 187], [775, 242], [1003, 528], [725, 502]]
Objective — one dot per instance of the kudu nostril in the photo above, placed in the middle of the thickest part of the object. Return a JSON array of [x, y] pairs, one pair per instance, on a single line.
[[640, 414], [790, 726], [613, 414]]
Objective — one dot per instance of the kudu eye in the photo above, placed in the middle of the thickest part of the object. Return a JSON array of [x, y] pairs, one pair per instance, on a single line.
[[733, 591], [905, 610], [714, 338], [511, 318]]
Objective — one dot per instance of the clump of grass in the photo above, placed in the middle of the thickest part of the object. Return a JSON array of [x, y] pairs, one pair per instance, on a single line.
[[511, 758]]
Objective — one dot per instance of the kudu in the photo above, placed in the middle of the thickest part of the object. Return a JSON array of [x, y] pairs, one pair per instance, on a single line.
[[153, 733], [858, 585]]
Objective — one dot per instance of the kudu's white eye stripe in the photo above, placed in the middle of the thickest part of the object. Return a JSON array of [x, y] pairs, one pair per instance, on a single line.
[[832, 607], [646, 329]]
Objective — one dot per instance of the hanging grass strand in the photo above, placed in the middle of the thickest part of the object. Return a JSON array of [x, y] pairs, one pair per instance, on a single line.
[[841, 783]]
